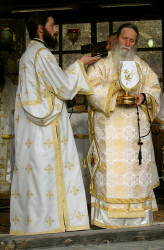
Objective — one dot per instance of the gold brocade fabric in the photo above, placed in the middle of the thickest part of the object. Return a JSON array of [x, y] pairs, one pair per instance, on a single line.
[[123, 188]]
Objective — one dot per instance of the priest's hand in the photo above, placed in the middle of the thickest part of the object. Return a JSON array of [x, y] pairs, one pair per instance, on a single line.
[[139, 98], [87, 59]]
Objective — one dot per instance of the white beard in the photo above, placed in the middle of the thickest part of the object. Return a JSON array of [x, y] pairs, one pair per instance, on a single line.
[[120, 54]]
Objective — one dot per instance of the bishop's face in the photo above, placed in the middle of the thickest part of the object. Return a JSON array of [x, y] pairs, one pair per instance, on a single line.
[[127, 39], [50, 33]]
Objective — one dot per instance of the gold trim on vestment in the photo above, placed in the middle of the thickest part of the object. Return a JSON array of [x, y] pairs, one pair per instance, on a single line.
[[109, 96], [91, 114], [156, 185], [62, 184], [120, 201], [152, 110], [58, 230], [57, 174], [5, 136], [99, 224], [41, 122], [50, 101], [76, 228], [102, 207], [126, 214], [95, 82], [39, 99], [96, 204], [127, 211], [155, 209], [90, 91]]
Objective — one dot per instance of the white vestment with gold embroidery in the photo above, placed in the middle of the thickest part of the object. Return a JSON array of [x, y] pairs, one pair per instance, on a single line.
[[122, 190], [47, 193]]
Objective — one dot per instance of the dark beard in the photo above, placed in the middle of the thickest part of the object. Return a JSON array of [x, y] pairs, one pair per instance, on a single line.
[[51, 42]]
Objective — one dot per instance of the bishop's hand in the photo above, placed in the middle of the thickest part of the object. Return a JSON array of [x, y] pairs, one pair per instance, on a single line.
[[139, 98]]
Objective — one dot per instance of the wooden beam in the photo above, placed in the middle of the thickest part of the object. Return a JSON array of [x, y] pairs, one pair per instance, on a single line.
[[88, 237]]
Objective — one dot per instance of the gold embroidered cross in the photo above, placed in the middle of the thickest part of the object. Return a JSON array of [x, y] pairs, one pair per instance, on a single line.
[[48, 142], [24, 67], [49, 59], [60, 91], [60, 116], [28, 143], [49, 168], [15, 194], [20, 81], [18, 95], [17, 118], [71, 71], [26, 92], [32, 44], [79, 216], [58, 106], [29, 194], [74, 190], [64, 140], [69, 165], [42, 74], [28, 220], [15, 220], [15, 169], [28, 169], [49, 195], [44, 93], [49, 221]]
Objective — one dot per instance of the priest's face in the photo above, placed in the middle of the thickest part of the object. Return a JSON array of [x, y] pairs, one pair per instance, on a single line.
[[50, 33]]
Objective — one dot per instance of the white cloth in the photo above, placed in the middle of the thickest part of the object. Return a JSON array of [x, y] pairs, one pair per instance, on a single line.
[[47, 193], [130, 75]]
